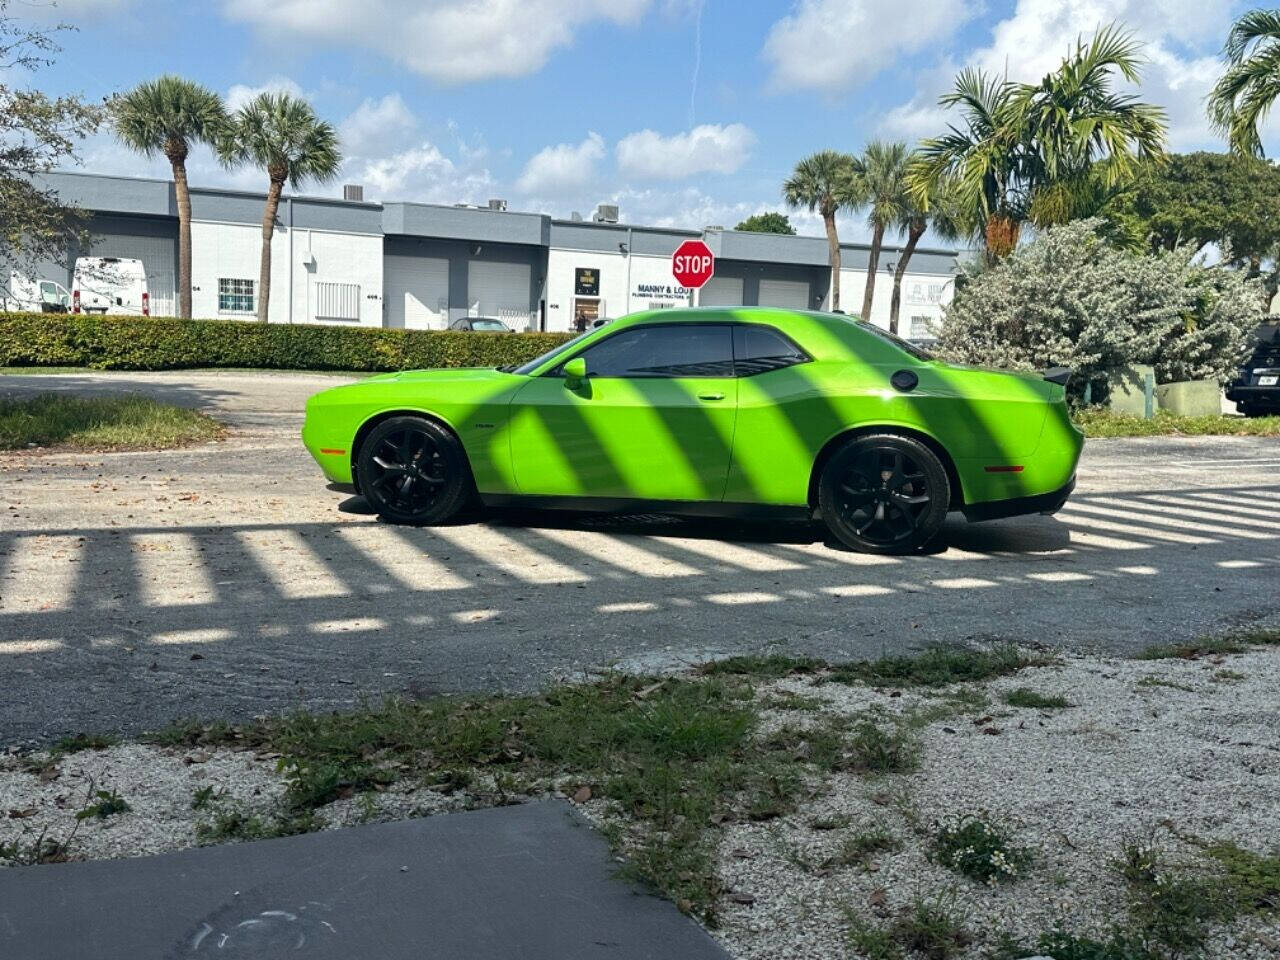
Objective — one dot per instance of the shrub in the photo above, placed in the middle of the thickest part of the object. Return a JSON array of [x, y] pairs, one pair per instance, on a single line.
[[163, 343], [1070, 299], [978, 849]]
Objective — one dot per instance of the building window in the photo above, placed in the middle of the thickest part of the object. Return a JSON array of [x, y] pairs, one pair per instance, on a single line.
[[235, 296], [922, 329]]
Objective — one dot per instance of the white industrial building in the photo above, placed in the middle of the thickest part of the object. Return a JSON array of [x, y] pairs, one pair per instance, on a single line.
[[422, 266]]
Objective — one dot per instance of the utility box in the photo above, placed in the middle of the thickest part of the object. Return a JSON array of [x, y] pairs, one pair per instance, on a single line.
[[1191, 398], [1127, 390]]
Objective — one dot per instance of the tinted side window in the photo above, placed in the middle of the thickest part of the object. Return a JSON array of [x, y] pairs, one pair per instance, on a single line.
[[679, 350], [761, 349]]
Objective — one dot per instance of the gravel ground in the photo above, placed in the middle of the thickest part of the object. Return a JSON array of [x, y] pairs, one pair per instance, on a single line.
[[1187, 749]]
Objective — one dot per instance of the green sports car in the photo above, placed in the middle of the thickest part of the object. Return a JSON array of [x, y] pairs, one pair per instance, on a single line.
[[711, 411]]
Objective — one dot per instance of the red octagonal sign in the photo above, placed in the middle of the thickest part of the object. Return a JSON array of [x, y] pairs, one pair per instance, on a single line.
[[693, 264]]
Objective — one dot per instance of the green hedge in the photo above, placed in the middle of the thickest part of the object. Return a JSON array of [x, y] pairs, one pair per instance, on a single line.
[[164, 343]]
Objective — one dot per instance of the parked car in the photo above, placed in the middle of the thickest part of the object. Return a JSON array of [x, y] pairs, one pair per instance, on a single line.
[[110, 285], [1256, 391], [34, 296], [480, 325], [711, 411]]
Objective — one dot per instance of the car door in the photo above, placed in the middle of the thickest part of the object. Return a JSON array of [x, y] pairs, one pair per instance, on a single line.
[[653, 419]]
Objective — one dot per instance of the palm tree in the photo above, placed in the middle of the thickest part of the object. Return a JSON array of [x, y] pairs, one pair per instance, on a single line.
[[1041, 151], [826, 182], [885, 195], [281, 134], [168, 115], [941, 215], [1243, 96]]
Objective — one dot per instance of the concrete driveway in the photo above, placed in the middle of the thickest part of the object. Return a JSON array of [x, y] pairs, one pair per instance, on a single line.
[[227, 581]]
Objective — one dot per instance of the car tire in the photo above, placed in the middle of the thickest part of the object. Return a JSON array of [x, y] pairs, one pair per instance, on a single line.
[[884, 493], [414, 471]]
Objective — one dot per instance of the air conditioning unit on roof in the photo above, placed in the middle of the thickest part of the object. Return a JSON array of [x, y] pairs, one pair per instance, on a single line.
[[606, 213]]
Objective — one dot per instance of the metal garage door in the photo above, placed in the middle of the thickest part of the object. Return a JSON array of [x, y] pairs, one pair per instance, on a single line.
[[158, 256], [500, 290], [416, 292], [789, 294], [721, 292]]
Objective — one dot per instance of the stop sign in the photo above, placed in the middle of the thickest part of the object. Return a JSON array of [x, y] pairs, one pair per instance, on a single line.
[[693, 264]]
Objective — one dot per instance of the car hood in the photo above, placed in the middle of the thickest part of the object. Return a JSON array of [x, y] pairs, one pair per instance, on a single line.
[[444, 375]]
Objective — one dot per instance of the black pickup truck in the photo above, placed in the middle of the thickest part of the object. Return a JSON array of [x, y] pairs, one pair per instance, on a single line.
[[1256, 391]]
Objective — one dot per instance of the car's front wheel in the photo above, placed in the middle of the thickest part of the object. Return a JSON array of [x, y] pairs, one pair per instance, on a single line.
[[884, 493], [414, 471]]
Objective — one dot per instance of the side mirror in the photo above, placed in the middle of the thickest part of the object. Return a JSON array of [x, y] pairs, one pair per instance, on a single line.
[[575, 371]]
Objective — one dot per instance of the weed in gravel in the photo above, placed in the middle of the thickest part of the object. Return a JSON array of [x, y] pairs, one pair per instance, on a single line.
[[938, 666], [194, 733], [1061, 945], [203, 798], [860, 848], [870, 941], [837, 743], [882, 749], [978, 848], [84, 741], [834, 822], [42, 766], [41, 848], [797, 702], [1031, 699], [108, 804], [772, 666], [929, 928], [232, 821], [1228, 676], [1252, 880], [1154, 681], [1237, 641]]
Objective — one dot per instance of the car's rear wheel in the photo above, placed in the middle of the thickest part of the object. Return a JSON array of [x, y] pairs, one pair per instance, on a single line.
[[884, 493], [414, 471]]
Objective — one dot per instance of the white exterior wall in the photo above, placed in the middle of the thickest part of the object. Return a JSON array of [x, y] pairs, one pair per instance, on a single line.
[[233, 251], [923, 295], [627, 284]]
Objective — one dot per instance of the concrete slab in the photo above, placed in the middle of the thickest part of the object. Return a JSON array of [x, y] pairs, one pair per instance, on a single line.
[[513, 883]]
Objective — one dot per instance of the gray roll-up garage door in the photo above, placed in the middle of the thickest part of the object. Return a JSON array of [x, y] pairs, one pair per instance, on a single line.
[[416, 292], [158, 255], [788, 294], [500, 290], [721, 292]]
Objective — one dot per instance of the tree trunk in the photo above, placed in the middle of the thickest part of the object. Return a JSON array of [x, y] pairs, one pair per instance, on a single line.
[[833, 258], [178, 160], [914, 232], [268, 230], [873, 264]]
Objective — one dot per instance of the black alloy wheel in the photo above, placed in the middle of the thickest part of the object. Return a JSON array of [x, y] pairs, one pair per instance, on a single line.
[[413, 471], [884, 494]]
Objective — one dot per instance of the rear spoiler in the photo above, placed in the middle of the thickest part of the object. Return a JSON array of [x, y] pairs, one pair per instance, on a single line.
[[1058, 375]]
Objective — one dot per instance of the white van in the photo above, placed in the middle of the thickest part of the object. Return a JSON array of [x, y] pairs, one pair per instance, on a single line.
[[110, 285], [34, 296]]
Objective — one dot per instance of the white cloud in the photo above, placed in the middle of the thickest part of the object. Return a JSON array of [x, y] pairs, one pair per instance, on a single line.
[[563, 167], [832, 45], [708, 148], [377, 123], [241, 93], [1181, 41], [452, 41]]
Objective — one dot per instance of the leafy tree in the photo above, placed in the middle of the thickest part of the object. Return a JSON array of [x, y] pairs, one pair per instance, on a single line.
[[1245, 93], [770, 222], [1047, 152], [1070, 298], [168, 116], [826, 182], [37, 133], [884, 168], [281, 134]]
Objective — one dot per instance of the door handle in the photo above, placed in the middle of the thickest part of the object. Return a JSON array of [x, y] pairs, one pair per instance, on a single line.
[[711, 396]]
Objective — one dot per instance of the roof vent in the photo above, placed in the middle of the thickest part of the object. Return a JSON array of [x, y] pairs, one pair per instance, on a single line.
[[575, 217], [606, 213], [497, 204], [353, 191]]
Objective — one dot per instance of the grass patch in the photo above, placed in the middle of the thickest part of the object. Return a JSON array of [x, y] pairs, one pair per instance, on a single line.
[[839, 744], [232, 822], [1101, 422], [938, 666], [84, 741], [120, 422], [108, 803], [978, 849], [861, 847], [1252, 880], [1031, 699], [796, 702], [773, 666], [1238, 641]]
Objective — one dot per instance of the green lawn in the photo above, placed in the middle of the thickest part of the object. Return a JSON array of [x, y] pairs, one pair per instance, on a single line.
[[1101, 422], [124, 422]]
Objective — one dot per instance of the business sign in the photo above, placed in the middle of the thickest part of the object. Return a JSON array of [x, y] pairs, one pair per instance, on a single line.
[[586, 282], [693, 263]]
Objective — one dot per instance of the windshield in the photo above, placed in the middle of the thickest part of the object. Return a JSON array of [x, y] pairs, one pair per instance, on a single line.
[[488, 325], [532, 365], [915, 350]]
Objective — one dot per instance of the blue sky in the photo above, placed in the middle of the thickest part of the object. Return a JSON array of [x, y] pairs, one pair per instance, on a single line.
[[684, 112]]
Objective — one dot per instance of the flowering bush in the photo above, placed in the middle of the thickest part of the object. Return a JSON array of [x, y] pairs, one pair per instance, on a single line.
[[1069, 298]]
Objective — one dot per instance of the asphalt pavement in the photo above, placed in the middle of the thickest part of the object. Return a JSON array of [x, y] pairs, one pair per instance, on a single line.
[[226, 580]]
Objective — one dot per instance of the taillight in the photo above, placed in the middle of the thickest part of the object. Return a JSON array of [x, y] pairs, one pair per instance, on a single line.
[[75, 302], [146, 304]]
